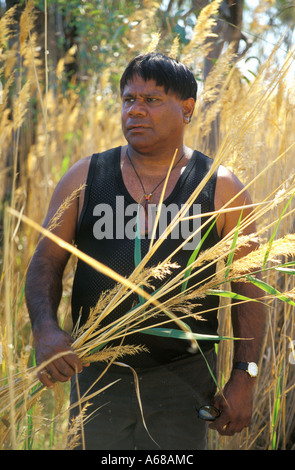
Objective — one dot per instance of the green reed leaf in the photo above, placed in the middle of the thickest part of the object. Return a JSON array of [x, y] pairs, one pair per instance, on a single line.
[[179, 334], [229, 294], [271, 240], [137, 249], [193, 258], [269, 289], [232, 250], [286, 270]]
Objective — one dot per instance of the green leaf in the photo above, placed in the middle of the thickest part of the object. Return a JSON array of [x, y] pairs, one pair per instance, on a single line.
[[289, 263], [269, 289], [274, 232], [232, 251], [179, 334], [65, 164], [276, 412], [137, 244], [229, 294], [137, 249], [286, 270], [211, 372], [193, 257]]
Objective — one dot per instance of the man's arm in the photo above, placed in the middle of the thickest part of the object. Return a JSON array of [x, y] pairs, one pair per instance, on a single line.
[[44, 281], [248, 320]]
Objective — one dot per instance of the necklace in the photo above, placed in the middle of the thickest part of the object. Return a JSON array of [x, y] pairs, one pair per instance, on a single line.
[[147, 196]]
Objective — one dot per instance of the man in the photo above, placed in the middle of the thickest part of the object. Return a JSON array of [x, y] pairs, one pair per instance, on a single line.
[[158, 99]]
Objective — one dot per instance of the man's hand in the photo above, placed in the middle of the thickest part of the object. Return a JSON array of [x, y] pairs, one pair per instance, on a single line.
[[235, 404], [50, 342]]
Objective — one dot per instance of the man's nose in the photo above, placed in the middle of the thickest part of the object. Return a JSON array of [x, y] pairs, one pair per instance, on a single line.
[[137, 108]]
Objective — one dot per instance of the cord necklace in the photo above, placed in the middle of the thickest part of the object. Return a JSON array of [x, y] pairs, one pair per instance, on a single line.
[[147, 196]]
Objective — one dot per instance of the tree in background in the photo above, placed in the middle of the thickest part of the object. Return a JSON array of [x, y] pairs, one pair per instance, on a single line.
[[85, 38]]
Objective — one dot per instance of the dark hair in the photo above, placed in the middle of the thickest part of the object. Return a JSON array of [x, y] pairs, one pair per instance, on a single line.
[[167, 72]]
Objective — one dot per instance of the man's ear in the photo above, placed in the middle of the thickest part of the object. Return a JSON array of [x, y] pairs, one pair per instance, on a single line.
[[188, 109]]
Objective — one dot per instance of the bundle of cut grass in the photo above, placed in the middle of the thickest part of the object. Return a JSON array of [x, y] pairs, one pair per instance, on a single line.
[[91, 343]]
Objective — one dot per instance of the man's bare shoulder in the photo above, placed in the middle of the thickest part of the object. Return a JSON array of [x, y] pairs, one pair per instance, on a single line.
[[77, 174], [72, 182], [231, 193], [224, 175], [73, 179], [228, 186]]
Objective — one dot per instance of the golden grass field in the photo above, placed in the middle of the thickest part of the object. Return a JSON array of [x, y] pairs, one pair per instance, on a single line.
[[256, 141]]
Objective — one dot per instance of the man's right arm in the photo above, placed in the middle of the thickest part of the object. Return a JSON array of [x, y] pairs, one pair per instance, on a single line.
[[44, 281]]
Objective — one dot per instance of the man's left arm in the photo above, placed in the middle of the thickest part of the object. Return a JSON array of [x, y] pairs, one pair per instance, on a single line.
[[248, 318], [236, 400]]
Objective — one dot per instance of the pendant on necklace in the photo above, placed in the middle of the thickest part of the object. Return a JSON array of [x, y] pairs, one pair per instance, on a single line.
[[145, 217], [146, 201]]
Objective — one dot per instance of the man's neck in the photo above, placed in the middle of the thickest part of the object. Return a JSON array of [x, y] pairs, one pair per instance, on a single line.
[[157, 162]]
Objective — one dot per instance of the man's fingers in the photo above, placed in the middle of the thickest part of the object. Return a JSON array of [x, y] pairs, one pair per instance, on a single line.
[[60, 370], [45, 378], [68, 366], [223, 427], [228, 424], [55, 372]]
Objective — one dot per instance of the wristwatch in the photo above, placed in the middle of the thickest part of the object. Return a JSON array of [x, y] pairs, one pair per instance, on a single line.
[[250, 367]]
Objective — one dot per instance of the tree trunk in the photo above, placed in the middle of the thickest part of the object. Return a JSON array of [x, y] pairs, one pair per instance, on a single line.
[[228, 29]]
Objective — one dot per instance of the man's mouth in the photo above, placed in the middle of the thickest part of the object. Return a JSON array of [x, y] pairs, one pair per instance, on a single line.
[[136, 127]]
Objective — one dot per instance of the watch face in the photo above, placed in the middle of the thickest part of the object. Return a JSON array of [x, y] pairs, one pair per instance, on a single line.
[[253, 369]]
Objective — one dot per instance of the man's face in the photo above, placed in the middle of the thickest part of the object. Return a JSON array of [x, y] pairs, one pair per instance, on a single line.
[[151, 119]]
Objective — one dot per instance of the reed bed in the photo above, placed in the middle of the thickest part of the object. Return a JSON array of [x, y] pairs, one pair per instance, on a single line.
[[256, 141]]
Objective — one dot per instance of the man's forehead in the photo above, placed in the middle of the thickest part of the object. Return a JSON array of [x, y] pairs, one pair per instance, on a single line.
[[137, 83]]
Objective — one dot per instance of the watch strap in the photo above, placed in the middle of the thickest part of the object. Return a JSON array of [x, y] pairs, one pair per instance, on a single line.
[[241, 365], [249, 367]]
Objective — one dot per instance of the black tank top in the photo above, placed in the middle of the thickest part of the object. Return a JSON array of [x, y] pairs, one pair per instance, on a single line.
[[104, 233]]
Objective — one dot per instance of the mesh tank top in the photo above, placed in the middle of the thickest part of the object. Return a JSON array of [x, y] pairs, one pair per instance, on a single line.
[[104, 233]]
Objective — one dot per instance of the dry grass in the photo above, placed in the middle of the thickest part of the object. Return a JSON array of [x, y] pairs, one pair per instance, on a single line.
[[257, 142]]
